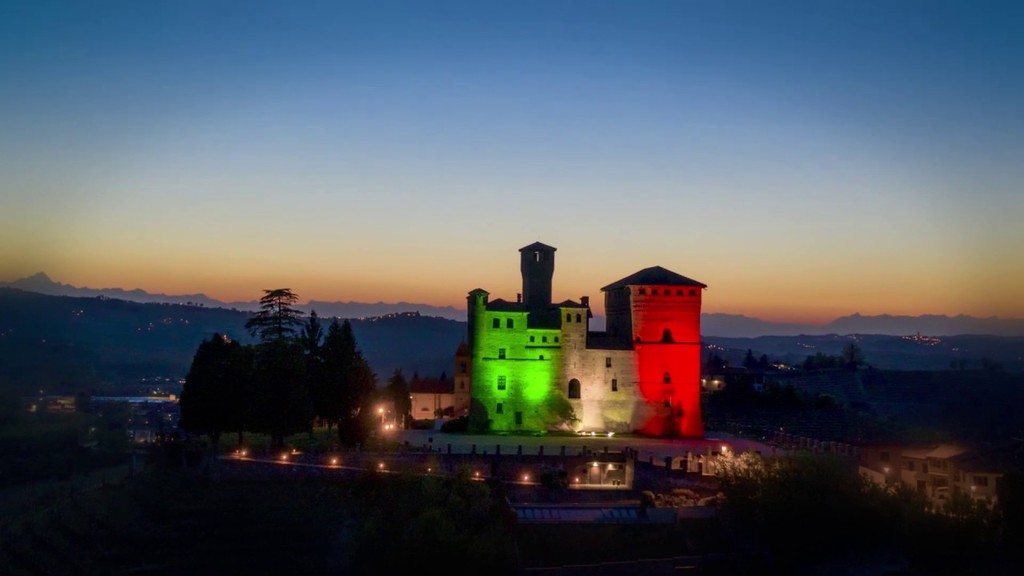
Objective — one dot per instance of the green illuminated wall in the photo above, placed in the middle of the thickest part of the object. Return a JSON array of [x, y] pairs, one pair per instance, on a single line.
[[530, 371]]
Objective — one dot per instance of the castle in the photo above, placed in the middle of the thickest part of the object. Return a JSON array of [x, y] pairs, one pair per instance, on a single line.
[[526, 361]]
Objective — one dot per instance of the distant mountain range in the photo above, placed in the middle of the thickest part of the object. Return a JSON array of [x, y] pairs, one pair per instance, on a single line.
[[74, 343], [40, 283], [712, 324], [738, 326]]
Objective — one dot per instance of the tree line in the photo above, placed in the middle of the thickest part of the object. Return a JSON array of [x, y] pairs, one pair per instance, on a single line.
[[298, 374]]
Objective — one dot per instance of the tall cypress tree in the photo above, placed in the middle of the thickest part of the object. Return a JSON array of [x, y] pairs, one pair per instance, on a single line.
[[347, 384], [217, 389]]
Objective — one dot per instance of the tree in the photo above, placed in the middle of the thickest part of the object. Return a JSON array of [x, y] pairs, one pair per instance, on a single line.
[[311, 339], [311, 336], [215, 397], [346, 386], [277, 317], [715, 364], [282, 398], [557, 411], [749, 362], [852, 356], [397, 392]]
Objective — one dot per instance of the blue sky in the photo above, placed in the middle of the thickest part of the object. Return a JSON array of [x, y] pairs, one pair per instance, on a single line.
[[803, 159]]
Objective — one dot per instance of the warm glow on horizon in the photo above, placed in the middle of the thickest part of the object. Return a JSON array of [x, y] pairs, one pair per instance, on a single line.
[[404, 153]]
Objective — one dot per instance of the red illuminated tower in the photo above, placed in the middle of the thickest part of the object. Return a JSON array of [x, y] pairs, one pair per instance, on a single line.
[[658, 312]]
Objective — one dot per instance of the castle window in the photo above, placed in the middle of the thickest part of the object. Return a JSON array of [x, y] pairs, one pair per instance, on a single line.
[[462, 367], [501, 382], [508, 323], [667, 378], [579, 318], [643, 290], [462, 385], [654, 291], [556, 339], [519, 419], [615, 385], [607, 361], [693, 292], [543, 338], [679, 292], [501, 353], [496, 323], [537, 256], [666, 335], [541, 357], [532, 338], [568, 317], [499, 409], [574, 389]]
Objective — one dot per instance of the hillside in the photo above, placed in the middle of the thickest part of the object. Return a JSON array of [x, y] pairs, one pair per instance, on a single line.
[[67, 344], [915, 352]]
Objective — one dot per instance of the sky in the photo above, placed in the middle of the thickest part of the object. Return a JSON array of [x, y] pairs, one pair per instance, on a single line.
[[805, 160]]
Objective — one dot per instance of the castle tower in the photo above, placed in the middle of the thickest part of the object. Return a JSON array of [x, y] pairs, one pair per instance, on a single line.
[[537, 264], [476, 310], [658, 311]]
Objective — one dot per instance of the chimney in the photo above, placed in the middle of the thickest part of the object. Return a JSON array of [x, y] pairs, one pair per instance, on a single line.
[[519, 297], [585, 300]]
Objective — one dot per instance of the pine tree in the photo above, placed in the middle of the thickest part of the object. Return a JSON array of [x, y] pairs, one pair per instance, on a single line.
[[277, 317]]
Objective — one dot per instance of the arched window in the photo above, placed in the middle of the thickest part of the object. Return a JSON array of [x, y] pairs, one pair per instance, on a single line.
[[509, 323], [579, 318], [496, 323], [574, 389], [568, 317], [667, 378], [666, 335]]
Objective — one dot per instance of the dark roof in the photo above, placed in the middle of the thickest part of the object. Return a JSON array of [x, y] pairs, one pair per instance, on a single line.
[[568, 304], [655, 275], [506, 306], [477, 290], [463, 349], [537, 246]]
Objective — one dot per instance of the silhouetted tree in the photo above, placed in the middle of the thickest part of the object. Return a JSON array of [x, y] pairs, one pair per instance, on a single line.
[[347, 384], [311, 339], [277, 317], [715, 364], [822, 361], [852, 356], [282, 398], [216, 394], [749, 362], [312, 336]]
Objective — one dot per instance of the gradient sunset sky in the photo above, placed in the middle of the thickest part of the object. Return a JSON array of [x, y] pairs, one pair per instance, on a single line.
[[805, 160]]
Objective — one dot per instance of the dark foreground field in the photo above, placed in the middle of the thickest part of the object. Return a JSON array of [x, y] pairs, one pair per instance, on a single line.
[[253, 520]]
